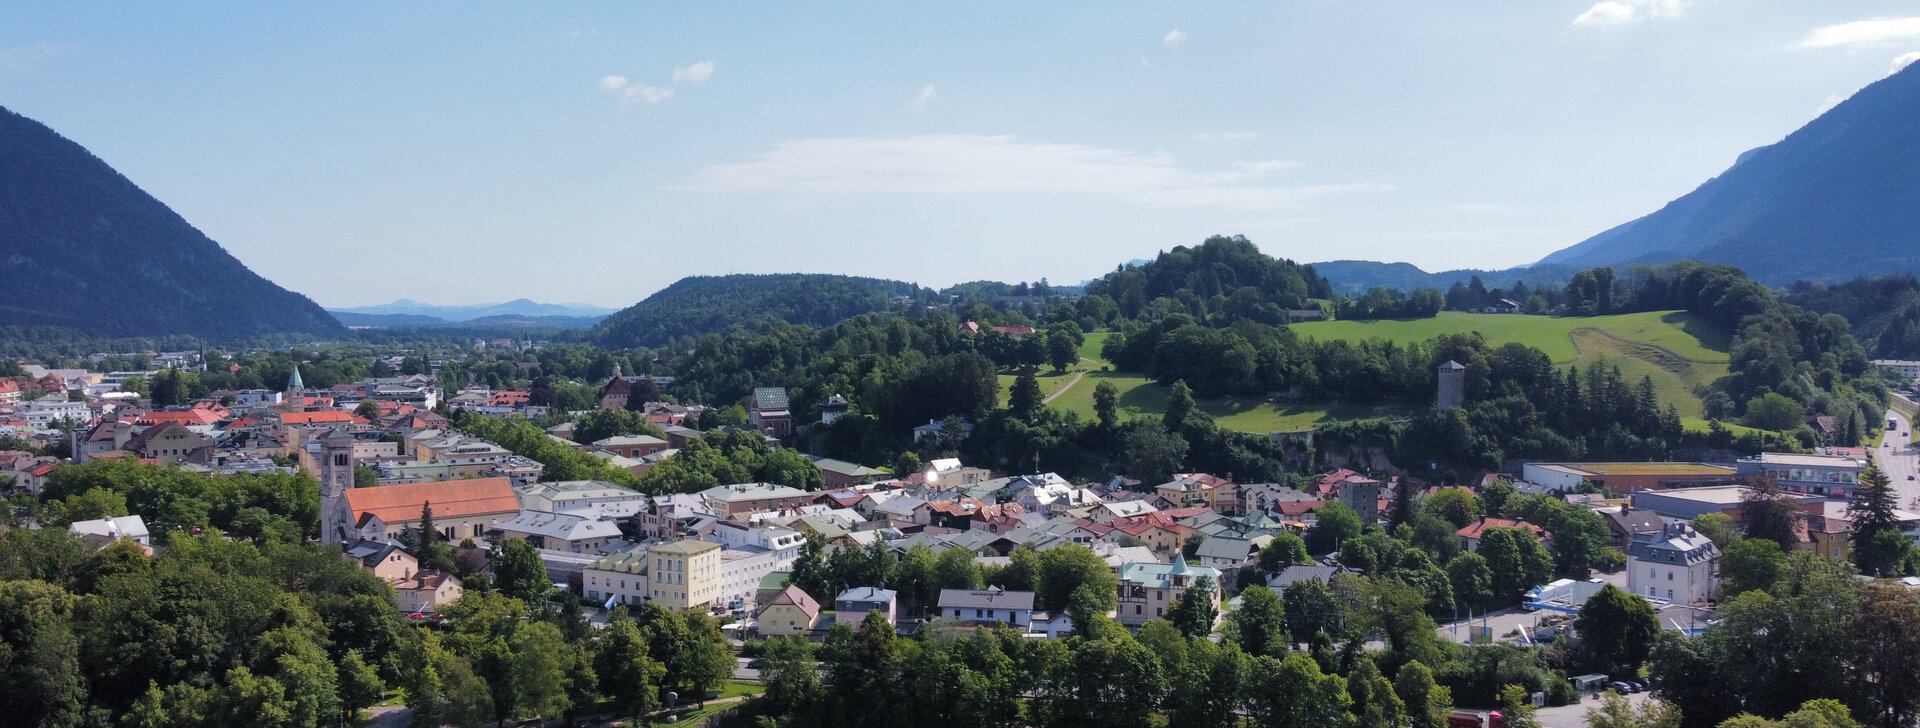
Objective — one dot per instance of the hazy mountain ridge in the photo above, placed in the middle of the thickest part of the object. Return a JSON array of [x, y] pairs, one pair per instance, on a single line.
[[518, 307]]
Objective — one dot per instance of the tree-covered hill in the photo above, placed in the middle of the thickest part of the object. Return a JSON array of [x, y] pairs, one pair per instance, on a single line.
[[84, 248], [1223, 278], [722, 304]]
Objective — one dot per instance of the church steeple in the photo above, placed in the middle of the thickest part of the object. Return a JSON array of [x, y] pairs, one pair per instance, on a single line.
[[294, 385]]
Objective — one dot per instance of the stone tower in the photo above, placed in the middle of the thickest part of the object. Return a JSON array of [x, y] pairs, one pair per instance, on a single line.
[[336, 476], [1452, 391]]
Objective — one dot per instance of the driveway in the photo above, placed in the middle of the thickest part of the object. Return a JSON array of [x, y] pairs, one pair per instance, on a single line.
[[1575, 715]]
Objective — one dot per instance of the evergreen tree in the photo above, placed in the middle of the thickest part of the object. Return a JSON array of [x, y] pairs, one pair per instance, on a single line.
[[1194, 612], [1179, 407], [1768, 513], [1024, 403], [1872, 512]]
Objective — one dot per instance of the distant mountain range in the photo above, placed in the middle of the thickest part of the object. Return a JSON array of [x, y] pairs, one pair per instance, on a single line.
[[417, 321], [518, 307], [83, 248], [1837, 199]]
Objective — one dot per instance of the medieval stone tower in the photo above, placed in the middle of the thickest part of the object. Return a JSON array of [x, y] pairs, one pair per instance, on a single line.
[[336, 476], [1452, 391]]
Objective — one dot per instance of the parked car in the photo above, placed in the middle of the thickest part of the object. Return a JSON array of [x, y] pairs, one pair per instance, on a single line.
[[1619, 687]]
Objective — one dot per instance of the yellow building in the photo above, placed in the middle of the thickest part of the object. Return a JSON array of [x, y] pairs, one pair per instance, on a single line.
[[684, 575], [794, 612]]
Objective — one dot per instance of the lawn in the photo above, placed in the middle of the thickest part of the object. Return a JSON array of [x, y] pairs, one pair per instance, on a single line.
[[1677, 331], [1680, 352]]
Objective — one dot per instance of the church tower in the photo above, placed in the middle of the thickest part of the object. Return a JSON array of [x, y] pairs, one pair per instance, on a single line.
[[336, 476], [295, 387]]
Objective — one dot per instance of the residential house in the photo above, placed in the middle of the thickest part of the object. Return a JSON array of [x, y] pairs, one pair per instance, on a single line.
[[632, 446], [855, 603], [1212, 491], [426, 592], [684, 575], [792, 612], [619, 578], [731, 501], [987, 606], [171, 442], [1678, 565], [384, 559], [560, 532], [1225, 553], [107, 530], [1470, 535], [843, 474], [1148, 590]]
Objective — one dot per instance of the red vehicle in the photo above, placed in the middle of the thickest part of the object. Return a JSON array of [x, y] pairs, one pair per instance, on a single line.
[[1467, 719]]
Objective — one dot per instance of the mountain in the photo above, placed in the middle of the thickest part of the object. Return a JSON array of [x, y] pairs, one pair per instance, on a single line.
[[1834, 200], [719, 304], [84, 248], [518, 307]]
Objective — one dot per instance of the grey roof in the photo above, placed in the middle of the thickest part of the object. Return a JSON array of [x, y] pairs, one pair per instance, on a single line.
[[1678, 543], [770, 398], [991, 598], [1452, 365], [1225, 547], [866, 594], [1302, 572]]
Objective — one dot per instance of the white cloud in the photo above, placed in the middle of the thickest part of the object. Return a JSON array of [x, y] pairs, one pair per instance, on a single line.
[[975, 164], [926, 96], [1832, 101], [695, 74], [629, 92], [24, 58], [1174, 38], [649, 94], [1870, 32], [1610, 13], [1902, 61]]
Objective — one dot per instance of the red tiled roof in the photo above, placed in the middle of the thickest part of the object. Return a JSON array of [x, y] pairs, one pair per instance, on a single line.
[[316, 418], [188, 418], [1014, 330], [1474, 530], [1299, 507], [450, 499]]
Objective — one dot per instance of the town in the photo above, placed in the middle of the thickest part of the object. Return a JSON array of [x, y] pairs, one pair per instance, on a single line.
[[1049, 365]]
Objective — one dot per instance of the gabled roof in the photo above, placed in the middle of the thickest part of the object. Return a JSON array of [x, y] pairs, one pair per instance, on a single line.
[[795, 597], [450, 499], [770, 398], [317, 418]]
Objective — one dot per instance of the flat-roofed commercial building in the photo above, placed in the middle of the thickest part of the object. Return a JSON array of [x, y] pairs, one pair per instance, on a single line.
[[1627, 477], [1833, 476], [1687, 503]]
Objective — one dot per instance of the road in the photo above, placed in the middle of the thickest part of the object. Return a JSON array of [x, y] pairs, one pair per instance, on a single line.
[[1897, 458], [1063, 389]]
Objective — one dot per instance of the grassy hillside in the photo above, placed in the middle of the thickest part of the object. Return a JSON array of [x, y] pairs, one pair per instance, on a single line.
[[1682, 353]]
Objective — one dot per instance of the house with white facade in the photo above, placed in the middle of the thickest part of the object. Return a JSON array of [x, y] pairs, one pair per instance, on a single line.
[[1676, 564]]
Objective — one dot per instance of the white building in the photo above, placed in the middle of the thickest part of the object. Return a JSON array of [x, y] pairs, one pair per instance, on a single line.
[[1676, 564], [620, 578], [41, 414], [133, 527]]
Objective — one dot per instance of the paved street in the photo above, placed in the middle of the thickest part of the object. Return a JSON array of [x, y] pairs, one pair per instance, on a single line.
[[1896, 456]]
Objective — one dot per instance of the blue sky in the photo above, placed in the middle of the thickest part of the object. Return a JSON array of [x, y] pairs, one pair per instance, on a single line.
[[596, 152]]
